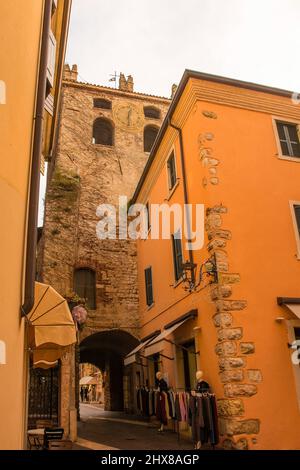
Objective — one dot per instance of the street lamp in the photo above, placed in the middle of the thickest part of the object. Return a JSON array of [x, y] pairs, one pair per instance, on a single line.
[[208, 269]]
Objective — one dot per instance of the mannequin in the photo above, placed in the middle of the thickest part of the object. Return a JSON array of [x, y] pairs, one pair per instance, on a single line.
[[201, 387], [162, 386]]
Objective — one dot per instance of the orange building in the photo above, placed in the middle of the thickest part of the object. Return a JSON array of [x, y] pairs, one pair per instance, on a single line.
[[234, 147], [32, 49]]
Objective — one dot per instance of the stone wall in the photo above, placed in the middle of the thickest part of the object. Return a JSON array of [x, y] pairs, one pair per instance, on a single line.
[[233, 346], [82, 176]]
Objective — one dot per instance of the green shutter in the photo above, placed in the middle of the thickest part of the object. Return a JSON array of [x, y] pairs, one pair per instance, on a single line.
[[148, 285]]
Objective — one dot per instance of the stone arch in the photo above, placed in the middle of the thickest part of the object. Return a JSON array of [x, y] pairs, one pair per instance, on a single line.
[[150, 133], [103, 132], [152, 112], [106, 350], [102, 103]]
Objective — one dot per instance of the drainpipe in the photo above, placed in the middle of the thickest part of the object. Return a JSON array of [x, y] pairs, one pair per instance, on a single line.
[[30, 266], [185, 193]]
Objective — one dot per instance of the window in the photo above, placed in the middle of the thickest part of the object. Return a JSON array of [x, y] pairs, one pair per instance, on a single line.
[[148, 215], [297, 217], [177, 255], [103, 132], [85, 286], [150, 133], [295, 208], [102, 103], [171, 171], [297, 338], [189, 363], [148, 285], [289, 140], [154, 364], [294, 335], [151, 112]]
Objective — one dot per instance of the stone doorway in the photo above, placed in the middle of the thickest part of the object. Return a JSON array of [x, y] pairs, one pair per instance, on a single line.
[[106, 350]]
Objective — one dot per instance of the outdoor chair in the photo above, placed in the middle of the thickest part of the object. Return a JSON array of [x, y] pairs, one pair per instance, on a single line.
[[52, 434], [61, 445]]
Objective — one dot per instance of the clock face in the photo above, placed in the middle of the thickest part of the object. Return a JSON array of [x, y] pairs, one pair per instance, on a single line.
[[128, 116]]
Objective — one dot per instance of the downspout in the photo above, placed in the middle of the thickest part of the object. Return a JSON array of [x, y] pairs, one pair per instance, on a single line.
[[30, 266], [185, 194]]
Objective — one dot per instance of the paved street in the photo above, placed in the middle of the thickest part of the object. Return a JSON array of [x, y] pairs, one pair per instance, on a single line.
[[100, 430]]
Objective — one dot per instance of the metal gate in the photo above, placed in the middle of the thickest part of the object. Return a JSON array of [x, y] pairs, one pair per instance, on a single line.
[[43, 395]]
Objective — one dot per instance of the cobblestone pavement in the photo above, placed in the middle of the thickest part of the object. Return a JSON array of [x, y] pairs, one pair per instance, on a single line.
[[100, 430]]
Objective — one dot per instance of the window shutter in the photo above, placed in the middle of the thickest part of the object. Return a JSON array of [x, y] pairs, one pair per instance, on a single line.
[[51, 59], [85, 286], [148, 284], [298, 132], [177, 254], [171, 171]]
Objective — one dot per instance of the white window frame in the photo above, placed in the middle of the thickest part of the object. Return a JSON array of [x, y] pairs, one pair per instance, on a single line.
[[171, 191], [295, 226], [280, 155]]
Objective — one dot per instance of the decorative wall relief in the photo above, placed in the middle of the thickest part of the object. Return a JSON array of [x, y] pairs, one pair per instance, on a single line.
[[206, 156], [210, 114]]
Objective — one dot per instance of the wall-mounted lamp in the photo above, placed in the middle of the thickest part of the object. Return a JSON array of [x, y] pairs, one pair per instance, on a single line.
[[192, 280]]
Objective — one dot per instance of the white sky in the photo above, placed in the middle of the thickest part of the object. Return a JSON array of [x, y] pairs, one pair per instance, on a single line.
[[156, 40]]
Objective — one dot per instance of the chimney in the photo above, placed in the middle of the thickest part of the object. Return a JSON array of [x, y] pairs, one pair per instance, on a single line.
[[174, 89], [125, 85], [130, 83], [122, 82], [70, 74]]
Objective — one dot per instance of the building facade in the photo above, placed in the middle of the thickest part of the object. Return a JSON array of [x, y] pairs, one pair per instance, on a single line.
[[105, 136], [31, 72], [234, 148]]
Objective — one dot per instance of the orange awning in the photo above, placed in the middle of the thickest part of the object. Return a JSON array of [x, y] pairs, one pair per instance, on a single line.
[[51, 326]]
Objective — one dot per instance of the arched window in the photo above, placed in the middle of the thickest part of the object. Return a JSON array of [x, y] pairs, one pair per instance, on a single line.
[[102, 103], [150, 133], [151, 112], [85, 286], [103, 132]]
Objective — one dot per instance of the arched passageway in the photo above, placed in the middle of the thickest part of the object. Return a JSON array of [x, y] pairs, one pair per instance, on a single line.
[[106, 350]]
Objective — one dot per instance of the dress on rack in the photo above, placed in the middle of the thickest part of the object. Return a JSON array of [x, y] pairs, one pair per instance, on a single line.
[[203, 417], [162, 400]]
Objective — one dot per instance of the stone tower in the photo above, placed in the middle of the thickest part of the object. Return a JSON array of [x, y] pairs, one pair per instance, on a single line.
[[104, 139]]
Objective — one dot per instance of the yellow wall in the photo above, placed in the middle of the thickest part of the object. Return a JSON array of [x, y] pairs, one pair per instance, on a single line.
[[19, 54], [256, 187]]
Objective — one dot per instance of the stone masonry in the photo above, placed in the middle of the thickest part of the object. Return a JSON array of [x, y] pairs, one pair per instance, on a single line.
[[233, 345], [85, 175]]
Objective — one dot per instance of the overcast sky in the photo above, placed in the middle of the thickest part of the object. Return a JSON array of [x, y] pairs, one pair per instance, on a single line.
[[155, 40]]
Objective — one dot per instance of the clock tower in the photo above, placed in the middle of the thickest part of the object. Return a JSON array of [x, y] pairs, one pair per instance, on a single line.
[[104, 138]]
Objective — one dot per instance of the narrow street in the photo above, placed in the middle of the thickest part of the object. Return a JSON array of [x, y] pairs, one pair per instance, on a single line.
[[101, 430]]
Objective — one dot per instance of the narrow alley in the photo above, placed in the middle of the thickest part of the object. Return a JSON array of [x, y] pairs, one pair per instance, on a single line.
[[104, 430]]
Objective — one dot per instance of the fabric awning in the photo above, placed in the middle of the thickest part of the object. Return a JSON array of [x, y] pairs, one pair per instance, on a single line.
[[157, 344], [292, 303], [295, 309], [89, 380], [51, 326], [131, 357]]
